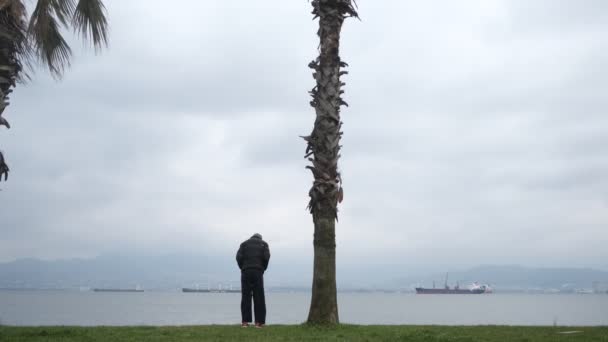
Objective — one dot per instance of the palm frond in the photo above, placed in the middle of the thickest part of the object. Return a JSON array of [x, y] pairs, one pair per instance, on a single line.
[[15, 47], [91, 22], [13, 27], [49, 44], [10, 3], [3, 168], [63, 10]]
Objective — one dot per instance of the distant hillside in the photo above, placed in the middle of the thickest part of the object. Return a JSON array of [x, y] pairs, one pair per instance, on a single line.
[[172, 272], [150, 272], [115, 271]]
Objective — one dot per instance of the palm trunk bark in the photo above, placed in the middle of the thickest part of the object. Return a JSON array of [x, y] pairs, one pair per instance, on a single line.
[[324, 147]]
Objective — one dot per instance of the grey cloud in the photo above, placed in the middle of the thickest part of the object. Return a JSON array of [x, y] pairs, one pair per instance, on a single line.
[[474, 130], [560, 16], [194, 68]]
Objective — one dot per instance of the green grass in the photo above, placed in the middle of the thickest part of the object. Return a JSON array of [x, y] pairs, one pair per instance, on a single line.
[[305, 333]]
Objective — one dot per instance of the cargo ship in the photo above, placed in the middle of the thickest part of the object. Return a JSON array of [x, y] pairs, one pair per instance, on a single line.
[[118, 290], [185, 289], [210, 290], [473, 289]]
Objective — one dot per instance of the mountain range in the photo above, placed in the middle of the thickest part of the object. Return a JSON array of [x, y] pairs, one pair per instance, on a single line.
[[171, 272]]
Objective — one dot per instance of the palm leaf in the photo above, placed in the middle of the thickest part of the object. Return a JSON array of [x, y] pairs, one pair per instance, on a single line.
[[63, 10], [14, 43], [3, 168], [91, 22], [21, 43], [49, 44]]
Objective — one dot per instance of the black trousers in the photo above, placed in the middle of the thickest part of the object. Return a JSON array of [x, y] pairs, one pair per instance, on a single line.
[[252, 284]]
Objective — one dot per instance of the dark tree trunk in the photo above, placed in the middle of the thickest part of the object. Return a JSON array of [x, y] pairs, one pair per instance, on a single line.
[[324, 301], [324, 147]]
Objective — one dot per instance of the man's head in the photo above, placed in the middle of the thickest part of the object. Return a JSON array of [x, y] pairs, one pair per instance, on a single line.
[[257, 236]]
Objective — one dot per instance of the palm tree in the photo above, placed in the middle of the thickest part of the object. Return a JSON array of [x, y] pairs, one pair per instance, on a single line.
[[24, 41], [323, 151]]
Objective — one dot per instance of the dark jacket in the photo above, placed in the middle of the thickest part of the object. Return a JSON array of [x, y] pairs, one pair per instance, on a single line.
[[253, 254]]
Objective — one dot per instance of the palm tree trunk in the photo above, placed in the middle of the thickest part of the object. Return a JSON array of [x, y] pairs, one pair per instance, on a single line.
[[324, 301], [324, 147]]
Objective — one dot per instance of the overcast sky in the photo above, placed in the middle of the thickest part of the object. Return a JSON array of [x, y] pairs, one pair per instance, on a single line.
[[476, 133]]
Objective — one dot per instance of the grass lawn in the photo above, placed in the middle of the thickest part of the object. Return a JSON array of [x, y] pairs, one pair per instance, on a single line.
[[305, 333]]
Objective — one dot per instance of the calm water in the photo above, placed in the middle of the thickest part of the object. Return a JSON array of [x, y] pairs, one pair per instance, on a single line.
[[175, 308]]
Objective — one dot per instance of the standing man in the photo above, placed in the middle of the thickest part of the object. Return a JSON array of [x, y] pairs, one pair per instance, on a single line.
[[252, 258]]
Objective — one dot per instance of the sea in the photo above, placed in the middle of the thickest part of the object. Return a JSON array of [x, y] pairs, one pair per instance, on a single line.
[[87, 308]]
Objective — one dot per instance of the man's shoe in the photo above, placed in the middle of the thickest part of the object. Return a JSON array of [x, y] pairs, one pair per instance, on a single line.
[[244, 325], [259, 325]]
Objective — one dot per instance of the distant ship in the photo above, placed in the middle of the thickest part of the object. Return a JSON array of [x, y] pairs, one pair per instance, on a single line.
[[210, 290], [118, 290], [473, 289], [185, 289]]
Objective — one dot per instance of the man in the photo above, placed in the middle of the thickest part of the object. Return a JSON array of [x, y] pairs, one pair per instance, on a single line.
[[252, 257]]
